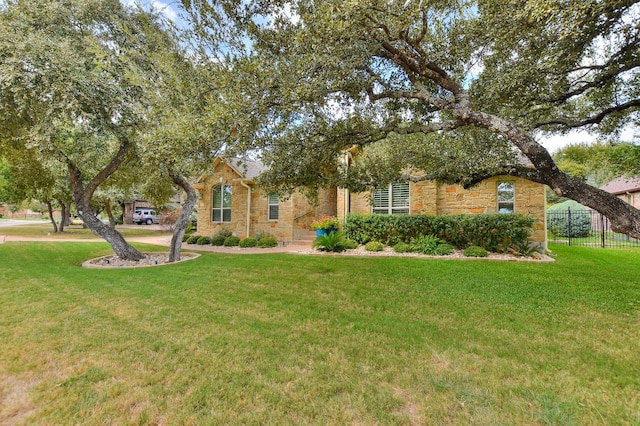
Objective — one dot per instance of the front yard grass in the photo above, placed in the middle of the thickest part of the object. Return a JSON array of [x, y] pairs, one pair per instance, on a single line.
[[292, 339], [45, 230]]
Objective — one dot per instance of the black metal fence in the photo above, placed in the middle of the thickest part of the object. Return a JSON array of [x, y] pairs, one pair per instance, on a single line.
[[585, 228]]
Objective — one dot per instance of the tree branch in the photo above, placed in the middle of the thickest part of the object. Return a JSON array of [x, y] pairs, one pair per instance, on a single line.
[[596, 119]]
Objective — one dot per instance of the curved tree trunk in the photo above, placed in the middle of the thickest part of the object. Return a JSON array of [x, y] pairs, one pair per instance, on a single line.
[[107, 206], [51, 218], [83, 194], [185, 214], [623, 217]]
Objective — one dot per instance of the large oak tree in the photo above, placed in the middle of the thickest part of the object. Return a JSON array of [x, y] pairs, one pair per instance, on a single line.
[[461, 89]]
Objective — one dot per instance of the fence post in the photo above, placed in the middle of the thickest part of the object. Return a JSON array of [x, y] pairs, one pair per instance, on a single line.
[[602, 219], [569, 224]]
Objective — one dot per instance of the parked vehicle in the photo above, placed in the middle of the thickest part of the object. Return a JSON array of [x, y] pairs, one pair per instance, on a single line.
[[147, 216]]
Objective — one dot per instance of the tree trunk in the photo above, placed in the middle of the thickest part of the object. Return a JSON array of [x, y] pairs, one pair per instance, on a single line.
[[185, 214], [83, 195], [107, 206], [623, 217], [53, 221], [64, 215]]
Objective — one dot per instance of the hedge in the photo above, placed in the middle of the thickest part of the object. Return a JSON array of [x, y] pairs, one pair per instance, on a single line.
[[493, 232]]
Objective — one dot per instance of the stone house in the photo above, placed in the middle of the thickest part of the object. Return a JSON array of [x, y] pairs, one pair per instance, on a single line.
[[504, 194], [626, 188], [230, 199]]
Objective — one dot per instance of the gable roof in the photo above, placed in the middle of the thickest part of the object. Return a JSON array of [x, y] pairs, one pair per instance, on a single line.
[[622, 185], [244, 167]]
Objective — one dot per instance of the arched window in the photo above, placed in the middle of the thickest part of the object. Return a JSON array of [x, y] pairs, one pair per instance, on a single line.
[[221, 203]]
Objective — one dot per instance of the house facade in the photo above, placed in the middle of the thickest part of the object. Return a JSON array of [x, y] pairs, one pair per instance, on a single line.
[[230, 199], [502, 194], [626, 188]]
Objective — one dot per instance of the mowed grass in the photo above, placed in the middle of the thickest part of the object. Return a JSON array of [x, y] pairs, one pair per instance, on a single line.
[[45, 230], [323, 340]]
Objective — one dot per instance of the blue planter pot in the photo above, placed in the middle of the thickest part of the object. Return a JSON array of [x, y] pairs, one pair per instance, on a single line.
[[321, 232]]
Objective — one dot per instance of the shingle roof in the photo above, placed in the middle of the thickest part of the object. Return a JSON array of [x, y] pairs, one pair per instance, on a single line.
[[622, 185], [248, 169]]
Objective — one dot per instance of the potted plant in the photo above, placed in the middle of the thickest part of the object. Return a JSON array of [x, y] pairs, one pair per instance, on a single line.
[[325, 225]]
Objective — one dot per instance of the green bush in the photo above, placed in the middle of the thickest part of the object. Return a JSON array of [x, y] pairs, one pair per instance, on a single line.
[[248, 242], [558, 220], [231, 241], [374, 246], [267, 242], [444, 250], [475, 251], [185, 237], [494, 232], [350, 244], [192, 239], [262, 234], [426, 244], [402, 248], [218, 240], [219, 237], [333, 241], [203, 240]]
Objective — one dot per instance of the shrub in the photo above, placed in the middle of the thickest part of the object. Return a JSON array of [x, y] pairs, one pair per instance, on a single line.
[[475, 251], [494, 232], [248, 242], [262, 234], [426, 244], [525, 249], [444, 250], [374, 246], [326, 222], [350, 244], [231, 241], [402, 248], [203, 240], [330, 242], [185, 237], [192, 239], [559, 224], [266, 242], [218, 240]]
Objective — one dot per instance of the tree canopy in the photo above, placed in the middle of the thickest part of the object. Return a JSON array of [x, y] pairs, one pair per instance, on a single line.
[[459, 89]]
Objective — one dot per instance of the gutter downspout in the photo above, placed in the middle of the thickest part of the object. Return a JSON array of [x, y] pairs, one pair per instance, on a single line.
[[248, 207]]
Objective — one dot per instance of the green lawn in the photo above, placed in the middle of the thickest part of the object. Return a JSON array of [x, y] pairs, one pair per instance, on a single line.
[[44, 229], [291, 339]]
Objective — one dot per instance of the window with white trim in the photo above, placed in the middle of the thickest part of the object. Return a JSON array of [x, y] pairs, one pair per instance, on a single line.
[[506, 197], [393, 199], [273, 207], [221, 203]]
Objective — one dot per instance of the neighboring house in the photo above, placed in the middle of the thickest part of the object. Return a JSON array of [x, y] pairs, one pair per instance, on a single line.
[[231, 200], [626, 188]]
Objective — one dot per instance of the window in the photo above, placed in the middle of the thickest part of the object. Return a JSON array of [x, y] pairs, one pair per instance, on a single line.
[[506, 197], [273, 208], [221, 203], [392, 200]]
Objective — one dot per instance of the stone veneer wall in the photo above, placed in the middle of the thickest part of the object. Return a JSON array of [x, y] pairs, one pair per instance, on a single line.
[[295, 213], [429, 198]]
